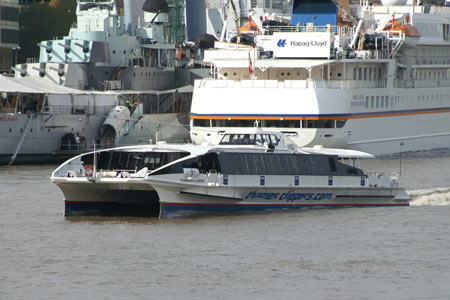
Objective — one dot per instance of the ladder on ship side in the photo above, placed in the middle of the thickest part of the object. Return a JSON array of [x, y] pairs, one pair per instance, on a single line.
[[22, 139]]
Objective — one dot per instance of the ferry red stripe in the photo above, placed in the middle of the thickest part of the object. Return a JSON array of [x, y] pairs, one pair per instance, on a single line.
[[280, 204]]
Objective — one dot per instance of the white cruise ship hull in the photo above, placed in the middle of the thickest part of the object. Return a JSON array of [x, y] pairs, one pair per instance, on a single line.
[[406, 123]]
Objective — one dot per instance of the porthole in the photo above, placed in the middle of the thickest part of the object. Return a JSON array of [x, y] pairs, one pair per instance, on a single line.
[[225, 74], [114, 51], [339, 74]]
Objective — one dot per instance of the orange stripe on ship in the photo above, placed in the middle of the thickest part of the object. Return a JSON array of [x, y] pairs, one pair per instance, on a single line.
[[368, 116]]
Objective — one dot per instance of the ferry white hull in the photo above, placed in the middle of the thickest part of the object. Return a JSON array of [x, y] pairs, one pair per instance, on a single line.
[[182, 195], [179, 200]]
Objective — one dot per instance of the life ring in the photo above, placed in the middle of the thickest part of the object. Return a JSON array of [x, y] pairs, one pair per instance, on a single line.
[[88, 170]]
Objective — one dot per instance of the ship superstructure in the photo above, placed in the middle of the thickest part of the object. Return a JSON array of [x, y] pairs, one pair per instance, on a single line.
[[367, 76], [106, 83], [101, 53]]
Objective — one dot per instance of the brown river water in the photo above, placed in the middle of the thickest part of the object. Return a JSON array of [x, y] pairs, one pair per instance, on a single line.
[[348, 253]]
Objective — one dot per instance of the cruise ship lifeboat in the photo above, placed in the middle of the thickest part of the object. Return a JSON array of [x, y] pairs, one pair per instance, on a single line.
[[411, 32]]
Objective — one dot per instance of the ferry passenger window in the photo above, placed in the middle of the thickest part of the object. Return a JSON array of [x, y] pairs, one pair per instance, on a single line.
[[103, 160], [378, 101], [274, 139], [332, 163], [226, 139], [372, 101], [367, 101], [382, 101], [258, 140], [360, 74]]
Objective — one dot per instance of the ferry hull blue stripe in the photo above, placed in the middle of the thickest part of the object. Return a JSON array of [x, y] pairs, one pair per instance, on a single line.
[[169, 210], [383, 113]]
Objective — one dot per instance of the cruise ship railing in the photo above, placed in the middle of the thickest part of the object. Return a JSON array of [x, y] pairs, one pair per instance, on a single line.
[[295, 84], [421, 83]]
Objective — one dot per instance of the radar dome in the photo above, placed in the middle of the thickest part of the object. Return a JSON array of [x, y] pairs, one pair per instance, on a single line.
[[393, 2], [155, 6]]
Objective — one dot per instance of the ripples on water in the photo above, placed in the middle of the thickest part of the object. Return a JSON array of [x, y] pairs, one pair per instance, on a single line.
[[351, 253]]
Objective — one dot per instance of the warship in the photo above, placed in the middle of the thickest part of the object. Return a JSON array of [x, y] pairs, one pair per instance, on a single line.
[[121, 76]]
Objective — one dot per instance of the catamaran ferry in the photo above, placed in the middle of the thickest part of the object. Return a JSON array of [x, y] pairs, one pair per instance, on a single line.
[[248, 170], [358, 74]]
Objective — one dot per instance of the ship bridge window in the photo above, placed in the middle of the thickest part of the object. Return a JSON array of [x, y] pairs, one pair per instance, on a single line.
[[155, 160]]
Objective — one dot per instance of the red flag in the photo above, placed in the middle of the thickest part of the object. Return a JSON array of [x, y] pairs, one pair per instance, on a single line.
[[250, 64]]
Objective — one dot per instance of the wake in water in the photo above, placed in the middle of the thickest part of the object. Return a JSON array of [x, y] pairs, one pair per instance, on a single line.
[[431, 197]]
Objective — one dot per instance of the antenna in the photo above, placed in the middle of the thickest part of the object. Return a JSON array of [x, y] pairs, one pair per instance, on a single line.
[[401, 148]]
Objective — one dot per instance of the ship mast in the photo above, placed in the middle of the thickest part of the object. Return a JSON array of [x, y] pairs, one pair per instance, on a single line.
[[236, 21]]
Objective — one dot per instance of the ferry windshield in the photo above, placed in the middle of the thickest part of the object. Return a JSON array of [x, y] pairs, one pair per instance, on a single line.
[[249, 139]]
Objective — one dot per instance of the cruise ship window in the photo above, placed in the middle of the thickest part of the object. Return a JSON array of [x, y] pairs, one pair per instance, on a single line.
[[340, 123], [387, 101], [382, 101], [201, 122], [355, 76], [360, 73], [372, 101], [365, 74], [378, 101], [367, 101], [370, 74]]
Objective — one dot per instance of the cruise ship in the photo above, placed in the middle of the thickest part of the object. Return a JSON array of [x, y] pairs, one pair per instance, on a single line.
[[361, 75]]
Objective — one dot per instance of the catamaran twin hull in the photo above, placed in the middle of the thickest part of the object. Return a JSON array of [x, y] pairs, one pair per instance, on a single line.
[[249, 170]]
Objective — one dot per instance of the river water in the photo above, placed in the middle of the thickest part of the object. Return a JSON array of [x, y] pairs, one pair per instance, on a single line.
[[348, 253]]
